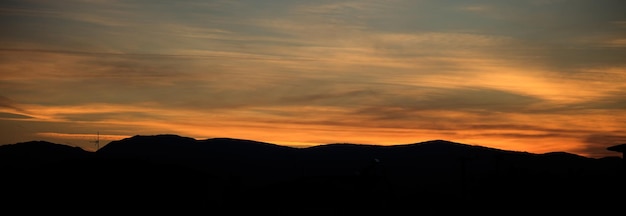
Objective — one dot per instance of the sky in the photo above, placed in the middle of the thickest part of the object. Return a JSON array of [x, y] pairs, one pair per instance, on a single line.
[[526, 75]]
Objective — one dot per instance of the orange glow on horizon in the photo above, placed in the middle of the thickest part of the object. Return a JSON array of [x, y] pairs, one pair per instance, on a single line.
[[315, 73], [525, 134]]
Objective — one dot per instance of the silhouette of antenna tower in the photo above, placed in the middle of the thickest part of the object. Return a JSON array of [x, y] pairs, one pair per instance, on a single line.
[[97, 141]]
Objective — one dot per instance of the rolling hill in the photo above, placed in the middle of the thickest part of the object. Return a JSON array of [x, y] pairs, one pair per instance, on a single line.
[[168, 172]]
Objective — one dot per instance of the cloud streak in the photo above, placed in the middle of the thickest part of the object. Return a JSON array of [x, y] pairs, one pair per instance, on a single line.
[[532, 76]]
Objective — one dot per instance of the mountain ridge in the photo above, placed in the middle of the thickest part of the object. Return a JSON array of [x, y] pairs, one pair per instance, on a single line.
[[171, 171], [174, 138]]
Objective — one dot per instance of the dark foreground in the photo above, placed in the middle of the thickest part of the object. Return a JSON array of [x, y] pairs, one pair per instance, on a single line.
[[372, 183]]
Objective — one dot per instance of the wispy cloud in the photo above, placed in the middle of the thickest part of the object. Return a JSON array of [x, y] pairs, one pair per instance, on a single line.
[[527, 75]]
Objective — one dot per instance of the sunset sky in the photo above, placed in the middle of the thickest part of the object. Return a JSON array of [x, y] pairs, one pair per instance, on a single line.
[[525, 75]]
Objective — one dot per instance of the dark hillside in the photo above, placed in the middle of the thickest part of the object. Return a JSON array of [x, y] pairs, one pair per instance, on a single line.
[[152, 174]]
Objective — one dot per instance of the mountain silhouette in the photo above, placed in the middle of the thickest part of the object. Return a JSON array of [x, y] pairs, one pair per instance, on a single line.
[[157, 173]]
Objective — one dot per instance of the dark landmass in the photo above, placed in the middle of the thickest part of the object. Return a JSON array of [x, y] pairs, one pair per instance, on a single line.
[[170, 173]]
